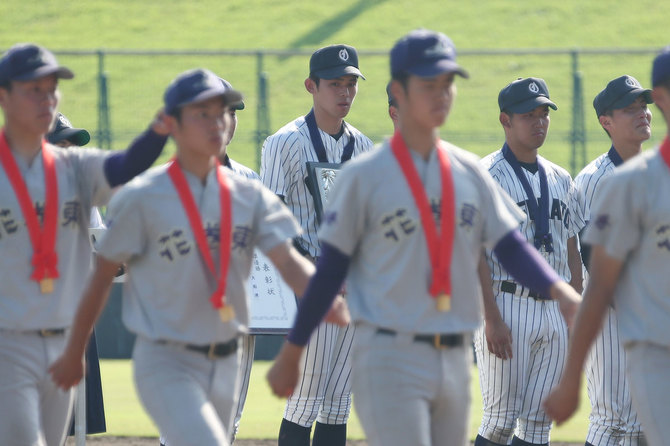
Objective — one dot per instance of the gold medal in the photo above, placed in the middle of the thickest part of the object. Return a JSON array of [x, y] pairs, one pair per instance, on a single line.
[[227, 313], [443, 302], [46, 285]]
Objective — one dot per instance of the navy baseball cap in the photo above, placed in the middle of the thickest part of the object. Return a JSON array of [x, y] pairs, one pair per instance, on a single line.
[[660, 71], [228, 86], [334, 61], [26, 62], [63, 131], [524, 95], [196, 86], [620, 93], [425, 53]]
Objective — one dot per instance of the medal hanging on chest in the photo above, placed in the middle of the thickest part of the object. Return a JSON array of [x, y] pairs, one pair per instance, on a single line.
[[218, 298], [440, 245], [43, 240]]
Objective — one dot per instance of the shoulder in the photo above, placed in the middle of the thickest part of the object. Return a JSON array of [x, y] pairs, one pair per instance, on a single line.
[[364, 140], [294, 130], [597, 166], [493, 161], [243, 170], [558, 171]]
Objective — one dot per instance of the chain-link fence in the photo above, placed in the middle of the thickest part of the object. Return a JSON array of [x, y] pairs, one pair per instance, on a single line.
[[116, 93]]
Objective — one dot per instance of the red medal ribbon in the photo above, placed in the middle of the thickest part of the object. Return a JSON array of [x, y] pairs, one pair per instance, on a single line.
[[225, 227], [45, 258], [439, 245], [665, 151]]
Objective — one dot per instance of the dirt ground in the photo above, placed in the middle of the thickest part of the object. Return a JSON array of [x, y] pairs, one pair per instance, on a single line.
[[137, 441]]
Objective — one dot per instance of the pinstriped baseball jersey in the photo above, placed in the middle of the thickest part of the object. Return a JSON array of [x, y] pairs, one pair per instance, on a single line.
[[283, 170], [564, 216], [166, 294], [588, 180], [376, 222], [81, 185]]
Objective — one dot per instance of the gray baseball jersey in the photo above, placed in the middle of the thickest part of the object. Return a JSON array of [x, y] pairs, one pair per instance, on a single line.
[[32, 409], [283, 170], [153, 236], [613, 418], [631, 221], [512, 389], [372, 217]]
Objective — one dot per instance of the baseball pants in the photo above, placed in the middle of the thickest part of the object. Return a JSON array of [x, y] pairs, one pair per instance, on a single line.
[[410, 393], [189, 397], [33, 411], [323, 392]]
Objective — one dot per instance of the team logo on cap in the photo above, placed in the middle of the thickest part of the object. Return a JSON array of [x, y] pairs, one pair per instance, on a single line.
[[631, 82], [344, 55], [533, 87], [64, 122], [440, 49]]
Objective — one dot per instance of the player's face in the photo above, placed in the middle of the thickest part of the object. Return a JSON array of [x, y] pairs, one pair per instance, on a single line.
[[428, 100], [527, 131], [31, 105], [632, 123], [336, 96], [202, 128]]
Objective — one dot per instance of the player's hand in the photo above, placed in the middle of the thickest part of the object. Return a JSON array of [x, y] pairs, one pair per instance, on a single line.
[[338, 313], [68, 370], [499, 338], [563, 401], [159, 125], [284, 373], [568, 301]]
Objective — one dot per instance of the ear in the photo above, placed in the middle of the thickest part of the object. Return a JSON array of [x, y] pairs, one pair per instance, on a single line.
[[397, 90], [660, 97], [170, 123], [505, 120], [3, 96], [393, 113], [310, 86], [605, 121]]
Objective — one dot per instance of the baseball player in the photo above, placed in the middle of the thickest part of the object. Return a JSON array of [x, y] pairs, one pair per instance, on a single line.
[[324, 394], [64, 135], [46, 195], [248, 342], [630, 239], [395, 220], [622, 111], [187, 231], [513, 384]]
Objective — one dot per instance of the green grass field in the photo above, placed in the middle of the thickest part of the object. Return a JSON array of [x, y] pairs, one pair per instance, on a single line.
[[263, 412], [137, 82]]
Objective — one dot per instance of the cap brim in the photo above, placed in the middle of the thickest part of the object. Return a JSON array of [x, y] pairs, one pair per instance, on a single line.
[[339, 71], [436, 68], [531, 104], [60, 72], [630, 97], [78, 137]]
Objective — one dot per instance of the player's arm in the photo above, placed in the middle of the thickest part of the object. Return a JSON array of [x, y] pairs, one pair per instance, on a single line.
[[605, 271], [295, 269], [498, 334], [526, 265], [575, 265], [319, 297], [121, 167], [68, 370]]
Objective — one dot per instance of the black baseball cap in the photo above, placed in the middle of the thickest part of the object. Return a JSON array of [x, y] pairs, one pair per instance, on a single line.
[[620, 93], [334, 61], [228, 86], [63, 131], [660, 71], [26, 62], [196, 86], [425, 53], [524, 95]]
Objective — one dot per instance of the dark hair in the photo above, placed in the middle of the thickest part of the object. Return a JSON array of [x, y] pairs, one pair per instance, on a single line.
[[315, 78], [402, 77], [6, 85], [609, 112], [176, 113]]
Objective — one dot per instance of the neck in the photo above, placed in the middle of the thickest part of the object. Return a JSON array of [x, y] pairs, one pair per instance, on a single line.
[[197, 164], [627, 151], [326, 122], [421, 140], [523, 155], [23, 144]]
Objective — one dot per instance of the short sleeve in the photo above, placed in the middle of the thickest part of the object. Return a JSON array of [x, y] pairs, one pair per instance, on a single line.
[[274, 167], [501, 213], [124, 237], [275, 222]]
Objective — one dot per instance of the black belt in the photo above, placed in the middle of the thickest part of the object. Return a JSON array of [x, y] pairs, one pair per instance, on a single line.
[[510, 287], [436, 340], [213, 351]]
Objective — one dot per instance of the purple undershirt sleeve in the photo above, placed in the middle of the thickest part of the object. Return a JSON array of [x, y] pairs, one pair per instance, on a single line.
[[331, 270], [121, 167], [524, 262]]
